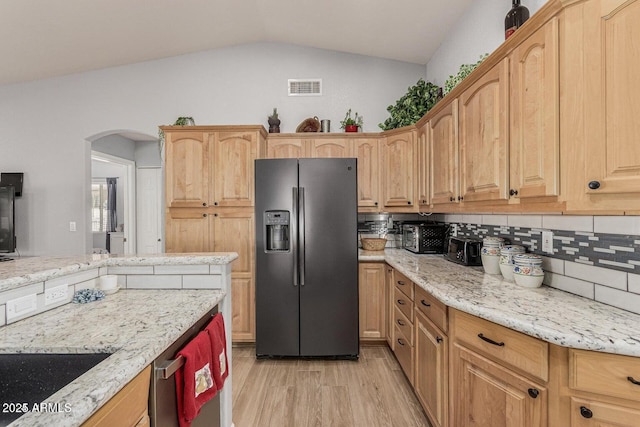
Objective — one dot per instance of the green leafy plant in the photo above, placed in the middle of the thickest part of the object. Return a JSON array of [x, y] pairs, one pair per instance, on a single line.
[[465, 70], [350, 121], [410, 108]]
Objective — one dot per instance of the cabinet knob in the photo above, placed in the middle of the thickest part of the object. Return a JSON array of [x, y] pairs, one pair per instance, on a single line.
[[513, 192], [460, 198], [215, 203], [594, 185], [451, 199], [533, 392], [409, 202], [204, 204], [586, 412], [439, 339], [215, 214], [204, 215]]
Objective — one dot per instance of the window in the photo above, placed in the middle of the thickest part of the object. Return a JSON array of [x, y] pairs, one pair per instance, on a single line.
[[99, 211]]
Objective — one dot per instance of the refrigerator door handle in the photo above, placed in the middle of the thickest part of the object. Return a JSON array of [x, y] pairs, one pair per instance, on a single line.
[[301, 235], [294, 239]]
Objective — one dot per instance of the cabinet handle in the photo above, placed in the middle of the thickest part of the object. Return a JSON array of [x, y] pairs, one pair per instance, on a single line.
[[439, 339], [426, 304], [204, 215], [633, 381], [586, 412], [401, 283], [490, 341], [513, 192], [594, 185], [533, 392], [409, 202], [215, 203], [460, 198], [375, 203], [401, 302], [400, 342], [400, 322], [451, 199], [204, 204], [215, 214]]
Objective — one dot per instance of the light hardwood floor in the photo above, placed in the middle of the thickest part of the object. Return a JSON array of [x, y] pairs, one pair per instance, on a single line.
[[369, 392]]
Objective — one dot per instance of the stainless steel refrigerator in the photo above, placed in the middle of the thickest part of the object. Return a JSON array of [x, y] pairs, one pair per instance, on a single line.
[[306, 258]]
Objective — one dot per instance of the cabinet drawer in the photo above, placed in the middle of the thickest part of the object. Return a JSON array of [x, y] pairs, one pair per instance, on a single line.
[[403, 283], [521, 351], [431, 307], [403, 303], [401, 322], [607, 374], [404, 353]]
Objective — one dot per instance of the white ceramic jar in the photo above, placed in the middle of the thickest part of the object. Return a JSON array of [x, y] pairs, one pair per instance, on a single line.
[[490, 254], [528, 271], [507, 253]]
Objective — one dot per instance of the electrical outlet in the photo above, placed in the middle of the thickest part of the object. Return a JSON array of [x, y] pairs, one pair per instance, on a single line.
[[547, 242], [454, 230], [56, 294], [72, 226], [21, 306]]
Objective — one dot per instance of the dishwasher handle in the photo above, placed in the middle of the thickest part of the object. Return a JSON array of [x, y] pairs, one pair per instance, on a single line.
[[166, 369]]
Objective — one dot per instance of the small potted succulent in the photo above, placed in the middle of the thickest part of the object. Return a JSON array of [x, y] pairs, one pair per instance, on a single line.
[[274, 122], [351, 124]]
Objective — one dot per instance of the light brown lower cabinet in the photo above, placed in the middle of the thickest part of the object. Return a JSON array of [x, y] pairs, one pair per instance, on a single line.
[[372, 311], [128, 408], [431, 380]]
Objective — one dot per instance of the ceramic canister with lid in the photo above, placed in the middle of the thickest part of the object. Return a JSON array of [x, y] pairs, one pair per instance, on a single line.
[[528, 271], [490, 254], [507, 253]]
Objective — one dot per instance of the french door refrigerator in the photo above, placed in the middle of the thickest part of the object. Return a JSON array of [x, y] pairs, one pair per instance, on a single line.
[[306, 258]]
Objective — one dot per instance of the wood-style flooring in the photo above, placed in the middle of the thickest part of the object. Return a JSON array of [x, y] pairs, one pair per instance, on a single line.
[[369, 392]]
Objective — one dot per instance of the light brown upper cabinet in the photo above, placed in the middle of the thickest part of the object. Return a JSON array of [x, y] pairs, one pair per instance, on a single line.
[[288, 147], [211, 166], [443, 147], [424, 197], [601, 104], [398, 170], [534, 132], [366, 151], [330, 147], [484, 142]]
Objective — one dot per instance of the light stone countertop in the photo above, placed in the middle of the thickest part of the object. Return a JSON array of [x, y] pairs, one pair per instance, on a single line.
[[136, 325], [24, 271], [549, 314]]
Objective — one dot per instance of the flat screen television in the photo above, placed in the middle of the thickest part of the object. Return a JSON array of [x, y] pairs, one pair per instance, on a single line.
[[7, 220]]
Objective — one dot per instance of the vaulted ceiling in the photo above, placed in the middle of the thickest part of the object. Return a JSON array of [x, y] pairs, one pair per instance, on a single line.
[[41, 39]]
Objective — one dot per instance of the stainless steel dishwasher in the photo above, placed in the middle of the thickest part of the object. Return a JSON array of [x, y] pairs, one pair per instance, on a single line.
[[163, 409]]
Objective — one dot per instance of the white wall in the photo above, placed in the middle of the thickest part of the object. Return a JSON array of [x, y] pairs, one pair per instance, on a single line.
[[479, 31], [44, 125]]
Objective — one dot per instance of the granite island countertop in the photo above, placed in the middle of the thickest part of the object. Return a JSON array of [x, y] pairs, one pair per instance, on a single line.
[[134, 325], [549, 314]]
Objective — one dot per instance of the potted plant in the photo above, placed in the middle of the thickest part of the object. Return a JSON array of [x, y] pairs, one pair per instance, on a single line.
[[351, 124], [180, 121], [410, 108]]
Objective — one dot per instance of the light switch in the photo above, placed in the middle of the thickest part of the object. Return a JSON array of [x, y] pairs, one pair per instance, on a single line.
[[72, 226]]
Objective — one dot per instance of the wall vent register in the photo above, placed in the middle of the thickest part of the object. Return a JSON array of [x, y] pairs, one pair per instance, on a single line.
[[305, 87]]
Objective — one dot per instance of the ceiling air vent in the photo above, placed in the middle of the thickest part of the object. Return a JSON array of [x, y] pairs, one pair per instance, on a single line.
[[305, 87]]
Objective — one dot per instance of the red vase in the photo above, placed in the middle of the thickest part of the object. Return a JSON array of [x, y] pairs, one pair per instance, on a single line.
[[351, 128]]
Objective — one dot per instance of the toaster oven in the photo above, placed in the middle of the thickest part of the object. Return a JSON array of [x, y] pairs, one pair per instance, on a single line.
[[424, 238]]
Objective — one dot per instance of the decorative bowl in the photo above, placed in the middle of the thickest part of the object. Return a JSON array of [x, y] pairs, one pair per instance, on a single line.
[[373, 244], [528, 281]]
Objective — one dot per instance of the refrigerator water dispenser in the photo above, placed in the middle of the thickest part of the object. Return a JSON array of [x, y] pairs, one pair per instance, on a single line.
[[277, 231]]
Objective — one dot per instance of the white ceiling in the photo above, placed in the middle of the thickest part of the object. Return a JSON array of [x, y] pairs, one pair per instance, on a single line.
[[46, 38]]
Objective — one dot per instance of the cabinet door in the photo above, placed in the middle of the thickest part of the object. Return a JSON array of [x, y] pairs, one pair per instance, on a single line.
[[234, 232], [366, 151], [330, 147], [187, 169], [612, 53], [443, 144], [243, 310], [535, 130], [592, 413], [373, 320], [484, 149], [424, 198], [389, 288], [398, 170], [487, 394], [233, 157], [431, 373], [287, 148], [187, 230]]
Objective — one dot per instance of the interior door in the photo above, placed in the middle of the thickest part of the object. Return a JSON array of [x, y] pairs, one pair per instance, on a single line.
[[149, 210]]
